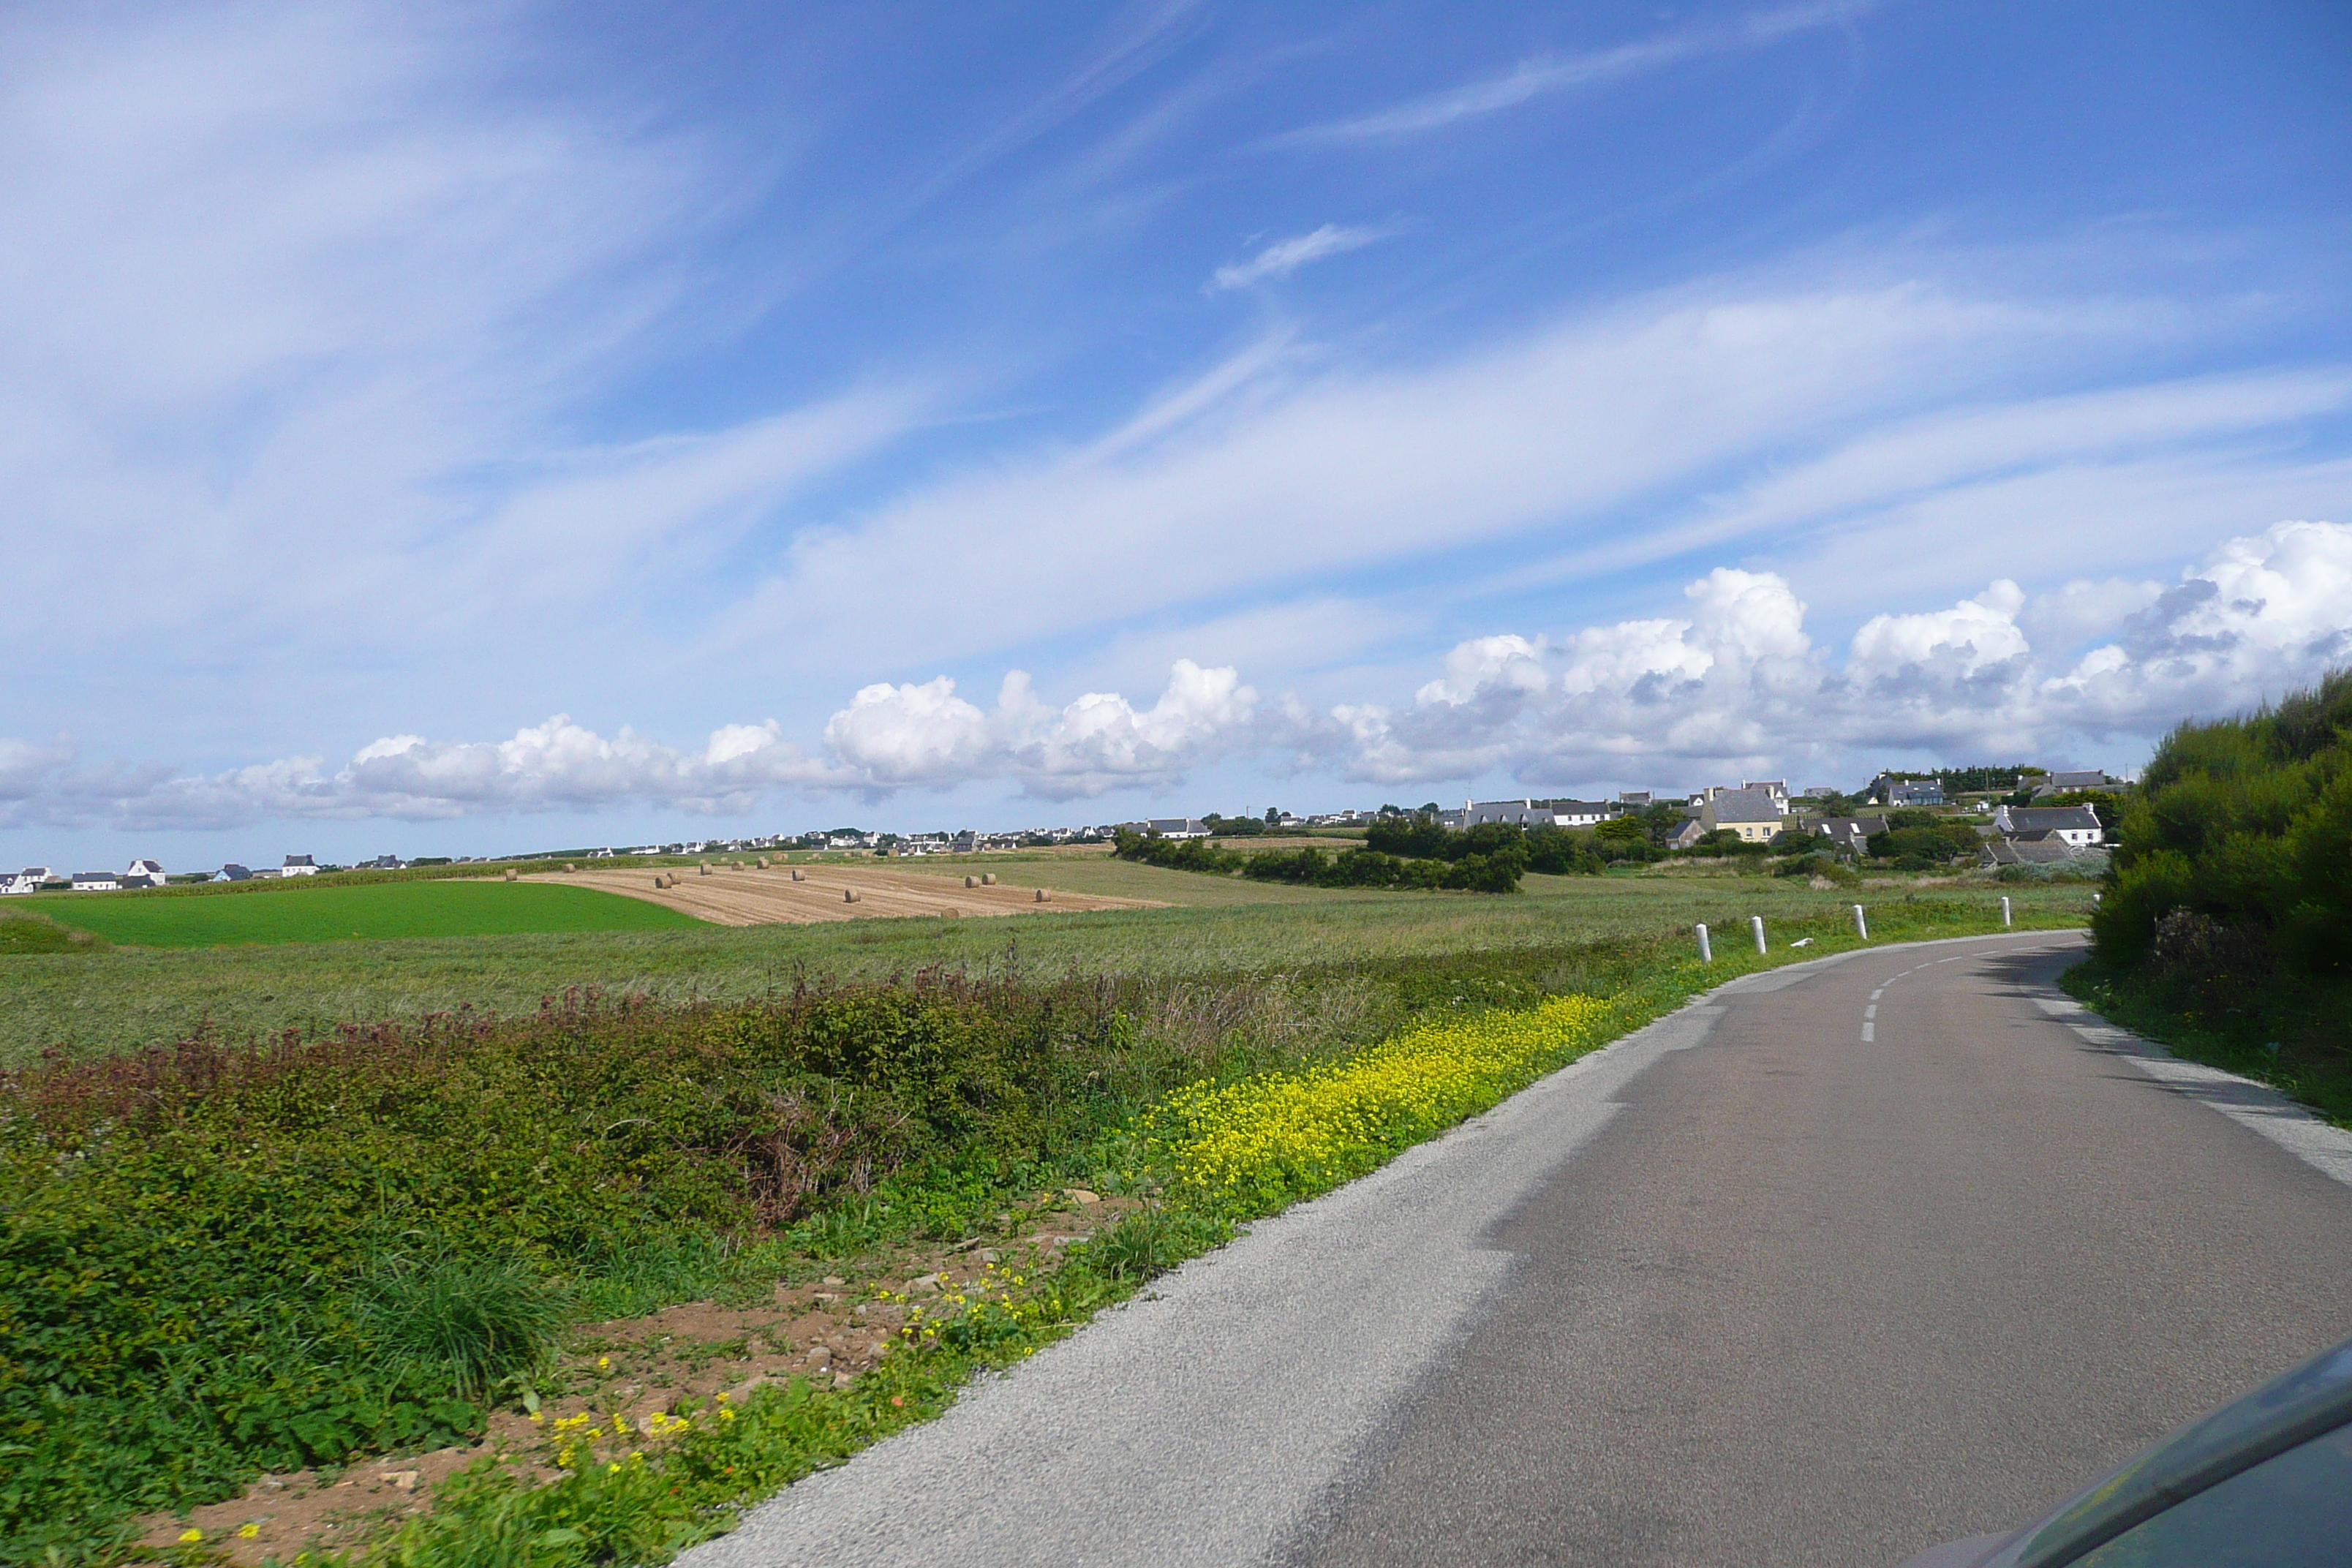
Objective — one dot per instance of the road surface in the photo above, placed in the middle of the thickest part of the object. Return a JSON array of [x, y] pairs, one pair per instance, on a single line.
[[1847, 1260]]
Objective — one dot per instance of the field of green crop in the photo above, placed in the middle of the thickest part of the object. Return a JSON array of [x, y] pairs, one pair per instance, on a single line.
[[383, 911], [88, 1003]]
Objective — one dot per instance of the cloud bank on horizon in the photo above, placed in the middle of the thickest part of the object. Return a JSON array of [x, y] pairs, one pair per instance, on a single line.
[[1736, 685], [928, 409]]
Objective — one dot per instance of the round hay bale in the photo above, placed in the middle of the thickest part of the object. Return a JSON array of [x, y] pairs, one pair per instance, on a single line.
[[511, 873], [988, 878], [704, 868], [1041, 895], [971, 882], [763, 862], [570, 866], [796, 875], [848, 895], [661, 881]]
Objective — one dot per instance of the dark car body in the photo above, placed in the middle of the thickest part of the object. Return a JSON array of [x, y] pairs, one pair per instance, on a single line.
[[2264, 1480]]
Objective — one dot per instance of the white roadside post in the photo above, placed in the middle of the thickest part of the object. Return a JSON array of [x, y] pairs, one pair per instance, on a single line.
[[1861, 924], [1756, 924], [1706, 953], [2004, 911]]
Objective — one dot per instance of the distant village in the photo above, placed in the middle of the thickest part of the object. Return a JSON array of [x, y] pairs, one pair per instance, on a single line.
[[2023, 816]]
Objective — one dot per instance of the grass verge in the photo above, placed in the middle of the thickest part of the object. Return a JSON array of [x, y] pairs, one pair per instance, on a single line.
[[2285, 1035]]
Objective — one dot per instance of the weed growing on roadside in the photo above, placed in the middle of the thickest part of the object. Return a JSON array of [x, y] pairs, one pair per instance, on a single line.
[[482, 1322]]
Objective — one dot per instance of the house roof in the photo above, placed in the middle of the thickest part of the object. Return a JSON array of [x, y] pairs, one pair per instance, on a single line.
[[2051, 818], [2028, 851], [1746, 806]]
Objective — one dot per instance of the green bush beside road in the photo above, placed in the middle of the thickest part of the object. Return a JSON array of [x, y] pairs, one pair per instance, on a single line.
[[2226, 926]]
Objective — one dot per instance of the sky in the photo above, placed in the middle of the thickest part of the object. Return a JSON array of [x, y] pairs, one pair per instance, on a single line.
[[464, 429]]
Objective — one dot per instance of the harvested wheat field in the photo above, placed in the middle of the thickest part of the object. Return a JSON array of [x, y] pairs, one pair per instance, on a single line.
[[748, 896]]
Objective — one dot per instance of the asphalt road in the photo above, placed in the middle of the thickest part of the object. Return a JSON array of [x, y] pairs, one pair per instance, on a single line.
[[1852, 1260]]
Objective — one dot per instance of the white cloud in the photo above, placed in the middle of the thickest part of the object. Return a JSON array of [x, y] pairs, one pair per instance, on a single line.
[[1284, 258], [554, 766], [2263, 613], [1738, 685], [304, 304], [1312, 469], [1956, 644], [895, 736], [1735, 684], [2086, 608], [1548, 74], [1482, 664]]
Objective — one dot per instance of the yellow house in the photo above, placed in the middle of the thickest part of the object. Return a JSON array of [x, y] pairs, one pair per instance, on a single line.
[[1753, 814]]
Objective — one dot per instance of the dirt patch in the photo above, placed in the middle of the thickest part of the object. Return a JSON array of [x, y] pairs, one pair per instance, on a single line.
[[742, 894], [616, 1377]]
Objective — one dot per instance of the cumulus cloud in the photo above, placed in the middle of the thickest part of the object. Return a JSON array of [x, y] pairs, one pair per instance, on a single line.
[[1734, 683], [1738, 684], [1285, 256], [893, 736]]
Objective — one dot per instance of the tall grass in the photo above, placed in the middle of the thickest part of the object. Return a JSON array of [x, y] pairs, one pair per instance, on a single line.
[[484, 1323]]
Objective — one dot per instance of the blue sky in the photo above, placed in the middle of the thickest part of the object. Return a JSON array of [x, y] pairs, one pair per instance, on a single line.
[[456, 429]]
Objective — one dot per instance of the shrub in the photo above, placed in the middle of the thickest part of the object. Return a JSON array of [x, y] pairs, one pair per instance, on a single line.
[[2248, 822], [215, 1259], [1496, 869]]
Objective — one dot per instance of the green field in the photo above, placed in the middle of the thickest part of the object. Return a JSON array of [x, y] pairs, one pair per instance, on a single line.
[[87, 1002], [382, 911]]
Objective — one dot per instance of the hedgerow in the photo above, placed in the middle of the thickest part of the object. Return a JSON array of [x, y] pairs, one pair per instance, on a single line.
[[2225, 927], [198, 1243], [1411, 853]]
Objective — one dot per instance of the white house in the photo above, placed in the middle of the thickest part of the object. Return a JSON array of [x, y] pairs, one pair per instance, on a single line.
[[143, 874], [1177, 827], [27, 880], [1533, 812], [233, 872], [299, 866], [95, 882], [2077, 825], [1776, 788]]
